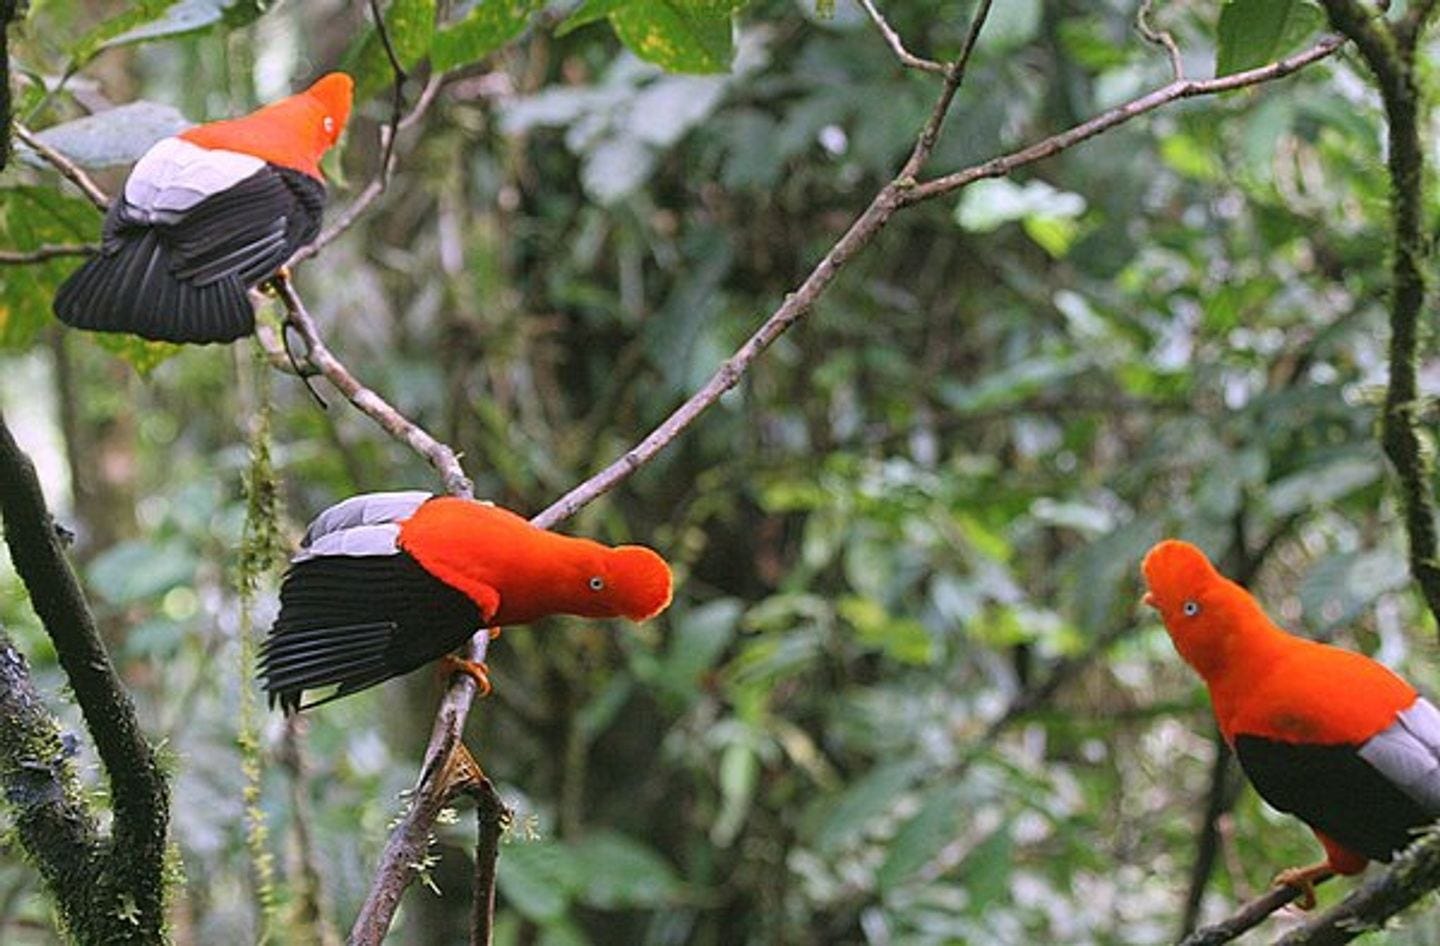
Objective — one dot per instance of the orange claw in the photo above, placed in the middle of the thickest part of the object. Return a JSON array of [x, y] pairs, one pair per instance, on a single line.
[[475, 670], [1303, 879], [495, 633]]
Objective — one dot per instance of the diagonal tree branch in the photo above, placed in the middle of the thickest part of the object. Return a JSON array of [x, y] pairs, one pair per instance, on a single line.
[[1414, 874], [901, 192], [1249, 916], [47, 251], [394, 423], [41, 791], [138, 791], [65, 166]]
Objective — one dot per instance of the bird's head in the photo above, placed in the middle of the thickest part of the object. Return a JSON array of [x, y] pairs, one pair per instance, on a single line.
[[627, 581], [1205, 612], [333, 93]]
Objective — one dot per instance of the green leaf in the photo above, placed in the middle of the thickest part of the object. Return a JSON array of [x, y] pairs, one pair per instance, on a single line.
[[410, 25], [190, 16], [30, 217], [700, 637], [618, 872], [678, 37], [139, 570], [739, 774], [988, 205], [138, 15], [849, 815], [115, 136], [1322, 484], [489, 25], [921, 838], [592, 11], [142, 354], [905, 640], [537, 878], [1254, 32]]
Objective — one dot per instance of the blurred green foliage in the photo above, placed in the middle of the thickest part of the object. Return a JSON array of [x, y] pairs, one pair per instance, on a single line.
[[904, 694]]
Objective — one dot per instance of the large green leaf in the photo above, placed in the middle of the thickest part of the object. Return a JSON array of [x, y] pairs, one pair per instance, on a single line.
[[116, 136], [619, 872], [410, 24], [922, 837], [1254, 32], [29, 218], [489, 25], [678, 37], [591, 11], [189, 16], [537, 878]]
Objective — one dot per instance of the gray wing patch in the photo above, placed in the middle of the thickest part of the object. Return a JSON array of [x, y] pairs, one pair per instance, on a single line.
[[175, 175], [367, 509], [383, 539], [1407, 752]]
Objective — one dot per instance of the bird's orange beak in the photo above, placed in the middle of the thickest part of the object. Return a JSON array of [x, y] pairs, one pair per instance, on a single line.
[[1149, 599]]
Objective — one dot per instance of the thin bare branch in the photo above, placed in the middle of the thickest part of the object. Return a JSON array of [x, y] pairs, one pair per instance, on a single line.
[[897, 45], [397, 425], [444, 773], [1162, 38], [1119, 115], [1249, 916], [65, 166], [46, 251]]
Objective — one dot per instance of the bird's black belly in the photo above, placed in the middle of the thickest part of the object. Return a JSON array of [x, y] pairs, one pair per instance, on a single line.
[[1334, 790]]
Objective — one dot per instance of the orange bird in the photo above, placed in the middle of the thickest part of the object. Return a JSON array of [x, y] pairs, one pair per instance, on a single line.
[[386, 582], [1325, 734], [204, 216]]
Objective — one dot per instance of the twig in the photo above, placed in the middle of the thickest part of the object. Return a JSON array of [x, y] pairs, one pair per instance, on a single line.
[[1249, 916], [897, 45], [397, 425], [65, 166], [47, 251], [1413, 874], [1119, 115], [901, 192], [410, 837], [140, 797], [491, 819], [1162, 38], [1219, 799]]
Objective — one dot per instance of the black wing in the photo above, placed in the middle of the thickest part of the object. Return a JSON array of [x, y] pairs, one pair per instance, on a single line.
[[1334, 790], [186, 279], [354, 621]]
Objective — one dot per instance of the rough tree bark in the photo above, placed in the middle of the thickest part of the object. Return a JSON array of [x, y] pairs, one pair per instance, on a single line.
[[109, 888]]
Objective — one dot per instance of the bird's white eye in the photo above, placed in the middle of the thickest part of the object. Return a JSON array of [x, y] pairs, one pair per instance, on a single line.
[[329, 124], [1191, 608], [597, 583]]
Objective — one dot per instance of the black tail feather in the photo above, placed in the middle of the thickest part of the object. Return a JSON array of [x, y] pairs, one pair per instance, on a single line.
[[355, 621], [132, 287]]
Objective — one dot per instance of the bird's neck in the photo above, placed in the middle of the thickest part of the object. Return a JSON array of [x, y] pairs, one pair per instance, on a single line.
[[285, 133], [1232, 669]]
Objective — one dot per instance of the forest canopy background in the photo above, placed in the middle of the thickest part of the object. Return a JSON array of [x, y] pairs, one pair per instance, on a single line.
[[904, 694]]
